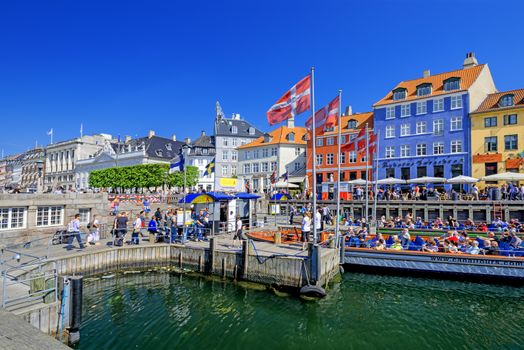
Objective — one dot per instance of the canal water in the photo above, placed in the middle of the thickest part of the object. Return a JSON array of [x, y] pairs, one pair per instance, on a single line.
[[168, 311]]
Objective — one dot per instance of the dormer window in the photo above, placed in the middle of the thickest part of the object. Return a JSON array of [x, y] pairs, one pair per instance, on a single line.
[[251, 131], [159, 152], [506, 100], [267, 137], [352, 124], [451, 84], [424, 89], [399, 94], [168, 147], [291, 137], [234, 129]]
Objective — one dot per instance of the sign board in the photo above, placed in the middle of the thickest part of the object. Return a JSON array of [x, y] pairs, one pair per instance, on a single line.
[[487, 158], [344, 187], [231, 215], [228, 182], [180, 217]]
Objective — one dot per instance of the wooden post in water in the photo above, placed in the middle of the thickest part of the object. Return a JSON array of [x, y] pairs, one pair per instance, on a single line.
[[212, 249], [245, 258]]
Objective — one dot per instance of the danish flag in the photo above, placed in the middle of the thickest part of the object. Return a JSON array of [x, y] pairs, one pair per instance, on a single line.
[[326, 116], [355, 143], [292, 103]]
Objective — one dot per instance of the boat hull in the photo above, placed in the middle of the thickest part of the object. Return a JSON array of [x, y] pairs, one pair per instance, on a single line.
[[478, 267]]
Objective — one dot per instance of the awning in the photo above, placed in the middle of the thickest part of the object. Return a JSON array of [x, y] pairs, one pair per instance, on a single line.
[[245, 195], [209, 197]]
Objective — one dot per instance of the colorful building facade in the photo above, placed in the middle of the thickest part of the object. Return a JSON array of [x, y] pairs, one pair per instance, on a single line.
[[497, 134], [353, 163], [423, 124]]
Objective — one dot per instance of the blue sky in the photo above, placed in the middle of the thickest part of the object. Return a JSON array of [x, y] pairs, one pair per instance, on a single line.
[[124, 67]]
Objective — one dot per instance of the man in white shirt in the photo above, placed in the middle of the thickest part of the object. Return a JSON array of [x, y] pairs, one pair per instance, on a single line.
[[318, 223]]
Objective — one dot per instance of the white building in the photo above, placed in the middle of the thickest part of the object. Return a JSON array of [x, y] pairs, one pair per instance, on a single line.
[[144, 150], [230, 134], [282, 151], [201, 154]]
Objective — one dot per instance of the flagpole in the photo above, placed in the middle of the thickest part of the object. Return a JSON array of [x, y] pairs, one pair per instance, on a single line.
[[314, 141], [376, 184], [337, 228], [367, 173]]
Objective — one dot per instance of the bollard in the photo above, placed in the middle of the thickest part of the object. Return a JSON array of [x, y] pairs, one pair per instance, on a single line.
[[76, 309], [277, 238], [245, 258], [212, 249]]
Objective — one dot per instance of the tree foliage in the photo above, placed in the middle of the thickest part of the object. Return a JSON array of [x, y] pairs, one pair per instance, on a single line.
[[142, 176]]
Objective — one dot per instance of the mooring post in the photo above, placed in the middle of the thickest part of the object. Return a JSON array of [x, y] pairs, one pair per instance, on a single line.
[[312, 262], [342, 249], [318, 257], [245, 258], [212, 249], [76, 309]]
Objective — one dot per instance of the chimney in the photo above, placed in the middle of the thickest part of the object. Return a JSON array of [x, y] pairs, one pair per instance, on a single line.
[[151, 133], [128, 138], [203, 133], [235, 116], [348, 111], [470, 60], [291, 122], [426, 73], [173, 137], [187, 141]]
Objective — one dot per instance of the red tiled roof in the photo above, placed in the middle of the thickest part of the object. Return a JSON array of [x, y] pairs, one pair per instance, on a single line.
[[492, 101], [361, 118], [279, 136], [467, 78]]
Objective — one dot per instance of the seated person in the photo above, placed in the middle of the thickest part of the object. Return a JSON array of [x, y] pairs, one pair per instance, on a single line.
[[483, 227], [490, 248], [381, 244], [452, 247], [515, 241], [473, 248], [469, 223], [396, 244], [430, 247]]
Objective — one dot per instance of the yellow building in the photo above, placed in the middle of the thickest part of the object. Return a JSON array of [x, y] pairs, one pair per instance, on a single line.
[[497, 134]]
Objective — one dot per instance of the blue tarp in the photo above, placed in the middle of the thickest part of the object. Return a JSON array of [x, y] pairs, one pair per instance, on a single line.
[[245, 195], [280, 197]]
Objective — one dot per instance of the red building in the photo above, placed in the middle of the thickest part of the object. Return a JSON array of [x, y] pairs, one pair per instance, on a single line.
[[353, 163]]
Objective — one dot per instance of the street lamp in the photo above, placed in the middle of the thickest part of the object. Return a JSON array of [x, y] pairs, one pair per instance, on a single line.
[[165, 180], [40, 168], [185, 153]]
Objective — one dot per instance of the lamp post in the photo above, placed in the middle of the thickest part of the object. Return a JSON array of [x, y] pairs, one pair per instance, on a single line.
[[165, 181], [185, 154], [40, 168]]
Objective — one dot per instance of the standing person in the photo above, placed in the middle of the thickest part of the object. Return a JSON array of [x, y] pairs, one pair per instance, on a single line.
[[147, 205], [115, 205], [291, 214], [137, 227], [319, 224], [73, 229], [94, 227], [238, 232], [121, 227], [306, 229], [158, 215], [475, 192]]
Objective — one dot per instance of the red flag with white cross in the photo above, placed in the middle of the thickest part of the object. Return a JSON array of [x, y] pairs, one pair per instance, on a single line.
[[292, 103]]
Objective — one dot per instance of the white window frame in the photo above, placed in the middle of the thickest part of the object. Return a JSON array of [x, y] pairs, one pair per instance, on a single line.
[[456, 124], [440, 103], [330, 159], [405, 151], [422, 107], [225, 156], [320, 142], [265, 167], [390, 112], [438, 147], [405, 110], [455, 145], [390, 131], [48, 219], [405, 129], [85, 215], [256, 168], [438, 124], [420, 147], [247, 168], [234, 155], [8, 212], [422, 128], [265, 153], [352, 157], [456, 102], [330, 141], [390, 152], [225, 170]]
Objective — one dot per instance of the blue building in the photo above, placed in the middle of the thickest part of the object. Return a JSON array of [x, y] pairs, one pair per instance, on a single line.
[[423, 124]]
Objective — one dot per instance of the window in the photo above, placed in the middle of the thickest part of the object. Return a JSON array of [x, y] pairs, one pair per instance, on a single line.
[[273, 166], [422, 107], [224, 142], [405, 130], [342, 139], [330, 141], [49, 216], [405, 173], [256, 168], [248, 154], [352, 124], [320, 142], [297, 166], [490, 144], [451, 84], [423, 89], [234, 129], [422, 127], [247, 168], [404, 151], [265, 167], [225, 155], [319, 159], [390, 151], [205, 150], [274, 152], [265, 153], [421, 149], [490, 122], [234, 142], [251, 131], [256, 154], [298, 151], [233, 170], [422, 171], [506, 101], [456, 170], [225, 170], [342, 157], [438, 147], [352, 157], [329, 158], [12, 218], [456, 146], [405, 111], [510, 119], [85, 215], [234, 155], [438, 170], [510, 142], [390, 131], [390, 113], [456, 102], [490, 168], [390, 172], [399, 94], [438, 105], [438, 127], [291, 137], [456, 123]]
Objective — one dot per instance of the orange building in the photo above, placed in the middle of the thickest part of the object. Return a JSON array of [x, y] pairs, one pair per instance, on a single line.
[[353, 165]]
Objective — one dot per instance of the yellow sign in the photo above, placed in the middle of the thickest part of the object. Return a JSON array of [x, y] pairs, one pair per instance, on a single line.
[[228, 182], [204, 198]]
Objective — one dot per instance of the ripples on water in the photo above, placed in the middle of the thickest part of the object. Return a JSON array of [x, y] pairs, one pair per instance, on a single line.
[[163, 311]]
